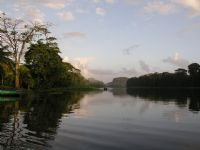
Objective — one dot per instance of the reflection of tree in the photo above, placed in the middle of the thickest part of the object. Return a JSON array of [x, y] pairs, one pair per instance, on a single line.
[[179, 96], [45, 111], [119, 92], [194, 104], [39, 121], [9, 116], [6, 110]]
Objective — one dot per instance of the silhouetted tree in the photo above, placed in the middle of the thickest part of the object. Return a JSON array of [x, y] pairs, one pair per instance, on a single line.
[[194, 71], [181, 77]]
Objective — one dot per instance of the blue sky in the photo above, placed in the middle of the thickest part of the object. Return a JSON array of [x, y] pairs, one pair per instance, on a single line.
[[112, 38]]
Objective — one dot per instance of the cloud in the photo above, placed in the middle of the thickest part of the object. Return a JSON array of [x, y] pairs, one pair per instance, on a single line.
[[82, 11], [74, 35], [51, 4], [101, 72], [166, 7], [177, 61], [80, 63], [66, 16], [83, 63], [35, 15], [192, 5], [128, 50], [58, 4], [100, 11], [110, 1], [128, 71], [144, 66], [27, 11], [160, 7], [107, 1]]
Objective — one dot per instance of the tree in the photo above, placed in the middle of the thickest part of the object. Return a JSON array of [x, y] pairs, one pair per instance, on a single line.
[[16, 35], [4, 62], [44, 63], [181, 77], [181, 71], [4, 55], [194, 71], [26, 80], [178, 79]]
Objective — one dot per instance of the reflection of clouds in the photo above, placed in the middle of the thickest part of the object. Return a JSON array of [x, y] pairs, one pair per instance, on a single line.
[[81, 113], [86, 102], [106, 98], [98, 101], [145, 106], [175, 115]]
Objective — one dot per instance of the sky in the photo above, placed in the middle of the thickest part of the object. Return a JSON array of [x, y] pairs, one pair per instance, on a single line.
[[114, 38]]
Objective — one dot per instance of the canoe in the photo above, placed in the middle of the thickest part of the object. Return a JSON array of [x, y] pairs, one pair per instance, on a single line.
[[9, 93]]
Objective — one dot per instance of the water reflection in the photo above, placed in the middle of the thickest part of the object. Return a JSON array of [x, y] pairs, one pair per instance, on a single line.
[[31, 121], [116, 119], [181, 97]]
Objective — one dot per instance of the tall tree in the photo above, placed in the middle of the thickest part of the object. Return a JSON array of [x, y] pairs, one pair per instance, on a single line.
[[194, 71], [44, 62], [16, 35], [181, 77]]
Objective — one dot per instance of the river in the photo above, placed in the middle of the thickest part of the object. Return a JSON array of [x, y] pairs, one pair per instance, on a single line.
[[120, 119]]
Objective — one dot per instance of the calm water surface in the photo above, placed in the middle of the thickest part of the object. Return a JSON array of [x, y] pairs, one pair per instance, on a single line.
[[111, 120]]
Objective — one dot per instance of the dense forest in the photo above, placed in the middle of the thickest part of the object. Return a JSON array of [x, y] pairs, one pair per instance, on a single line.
[[180, 78], [30, 58]]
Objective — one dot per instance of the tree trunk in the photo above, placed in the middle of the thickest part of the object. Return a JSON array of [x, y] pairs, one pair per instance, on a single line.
[[17, 86]]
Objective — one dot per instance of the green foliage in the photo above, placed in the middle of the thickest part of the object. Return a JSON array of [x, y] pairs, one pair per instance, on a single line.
[[5, 66], [95, 83], [4, 55], [44, 63], [178, 79], [26, 80], [47, 69], [43, 66], [17, 35]]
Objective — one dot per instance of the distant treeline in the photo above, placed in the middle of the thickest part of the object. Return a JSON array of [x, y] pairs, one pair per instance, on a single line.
[[180, 78]]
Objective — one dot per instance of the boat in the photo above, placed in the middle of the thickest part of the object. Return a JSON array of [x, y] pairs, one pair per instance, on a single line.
[[10, 92], [105, 89]]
